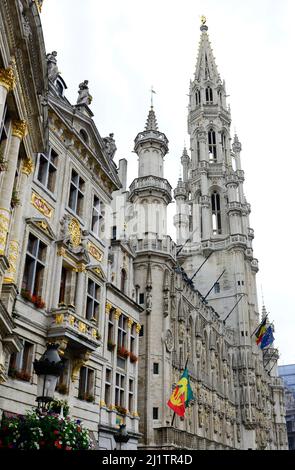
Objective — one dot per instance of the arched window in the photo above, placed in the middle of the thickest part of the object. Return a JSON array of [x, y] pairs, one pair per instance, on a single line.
[[216, 213], [198, 97], [209, 95], [212, 145], [220, 97], [123, 280], [223, 144]]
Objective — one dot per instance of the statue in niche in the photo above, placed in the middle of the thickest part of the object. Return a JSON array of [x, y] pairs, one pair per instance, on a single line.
[[110, 145], [148, 302], [84, 95], [52, 66]]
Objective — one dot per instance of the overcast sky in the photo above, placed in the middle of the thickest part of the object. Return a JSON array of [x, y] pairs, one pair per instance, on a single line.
[[124, 47]]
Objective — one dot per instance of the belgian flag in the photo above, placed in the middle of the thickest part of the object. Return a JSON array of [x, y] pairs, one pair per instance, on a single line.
[[261, 331]]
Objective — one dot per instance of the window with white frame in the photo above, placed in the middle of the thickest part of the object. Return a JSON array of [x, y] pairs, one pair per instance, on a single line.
[[107, 388], [133, 339], [131, 396], [21, 363], [120, 390], [96, 216], [86, 384], [47, 169], [76, 197], [33, 277], [122, 331], [93, 300]]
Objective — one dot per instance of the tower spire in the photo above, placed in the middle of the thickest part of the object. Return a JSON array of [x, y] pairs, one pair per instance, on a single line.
[[206, 68], [151, 123]]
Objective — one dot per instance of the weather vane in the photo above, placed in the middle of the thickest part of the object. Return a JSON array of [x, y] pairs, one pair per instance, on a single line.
[[152, 91], [203, 19]]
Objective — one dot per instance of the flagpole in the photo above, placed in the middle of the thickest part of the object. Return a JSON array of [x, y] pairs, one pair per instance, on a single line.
[[173, 418]]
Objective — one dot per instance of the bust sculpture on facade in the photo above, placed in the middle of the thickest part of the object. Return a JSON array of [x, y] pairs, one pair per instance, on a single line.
[[84, 95], [52, 66]]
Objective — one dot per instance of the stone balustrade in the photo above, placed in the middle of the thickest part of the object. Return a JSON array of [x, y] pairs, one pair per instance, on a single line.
[[66, 323]]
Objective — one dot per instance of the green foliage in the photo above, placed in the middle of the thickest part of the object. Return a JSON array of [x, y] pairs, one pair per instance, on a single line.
[[37, 430]]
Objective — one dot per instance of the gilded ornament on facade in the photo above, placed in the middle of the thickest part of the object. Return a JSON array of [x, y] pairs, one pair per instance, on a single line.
[[12, 259], [130, 322], [203, 19], [4, 226], [82, 327], [61, 251], [59, 318], [71, 320], [102, 403], [43, 225], [7, 78], [75, 232], [138, 328], [108, 308], [19, 129], [41, 205], [94, 251], [118, 313], [27, 166], [39, 4]]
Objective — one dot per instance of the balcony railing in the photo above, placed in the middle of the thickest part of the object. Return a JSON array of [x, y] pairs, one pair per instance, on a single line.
[[164, 245], [66, 323], [168, 437]]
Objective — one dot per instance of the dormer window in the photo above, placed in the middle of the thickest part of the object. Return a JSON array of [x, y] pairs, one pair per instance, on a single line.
[[84, 136], [60, 86], [209, 95]]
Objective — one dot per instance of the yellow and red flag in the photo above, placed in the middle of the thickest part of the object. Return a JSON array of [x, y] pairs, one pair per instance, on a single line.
[[181, 395], [261, 331]]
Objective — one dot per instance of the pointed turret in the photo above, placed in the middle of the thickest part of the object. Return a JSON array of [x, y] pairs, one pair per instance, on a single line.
[[151, 123], [151, 187], [206, 68]]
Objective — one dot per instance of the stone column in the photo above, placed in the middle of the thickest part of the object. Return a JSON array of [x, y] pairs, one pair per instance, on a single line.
[[18, 132], [7, 82], [17, 227]]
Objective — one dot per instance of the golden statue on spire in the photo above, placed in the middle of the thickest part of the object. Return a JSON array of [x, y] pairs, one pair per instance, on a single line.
[[203, 19]]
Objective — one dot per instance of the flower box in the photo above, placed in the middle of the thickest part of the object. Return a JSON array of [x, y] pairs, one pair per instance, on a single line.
[[123, 352], [121, 410], [133, 357], [34, 299]]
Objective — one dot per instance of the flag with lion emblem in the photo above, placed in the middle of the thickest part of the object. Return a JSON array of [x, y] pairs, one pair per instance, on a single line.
[[181, 395]]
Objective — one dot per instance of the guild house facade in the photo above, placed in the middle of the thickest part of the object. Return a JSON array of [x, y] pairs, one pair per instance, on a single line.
[[87, 263]]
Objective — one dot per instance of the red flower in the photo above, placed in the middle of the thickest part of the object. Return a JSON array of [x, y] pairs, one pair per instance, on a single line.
[[55, 431], [68, 448], [58, 444]]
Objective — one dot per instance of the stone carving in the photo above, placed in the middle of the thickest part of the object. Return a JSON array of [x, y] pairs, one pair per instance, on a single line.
[[148, 302], [84, 95], [25, 21], [110, 145], [52, 66], [169, 340]]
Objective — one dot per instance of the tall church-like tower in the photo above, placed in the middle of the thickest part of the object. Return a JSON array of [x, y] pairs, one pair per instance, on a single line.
[[212, 211]]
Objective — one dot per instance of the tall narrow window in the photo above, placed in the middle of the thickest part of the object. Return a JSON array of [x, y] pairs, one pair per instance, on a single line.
[[76, 197], [217, 288], [62, 385], [111, 343], [133, 338], [123, 281], [122, 332], [96, 216], [198, 97], [212, 145], [198, 151], [120, 390], [48, 169], [216, 213], [34, 266], [131, 396], [93, 299], [209, 95], [107, 389], [223, 144], [20, 366], [86, 384], [190, 218], [4, 132]]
